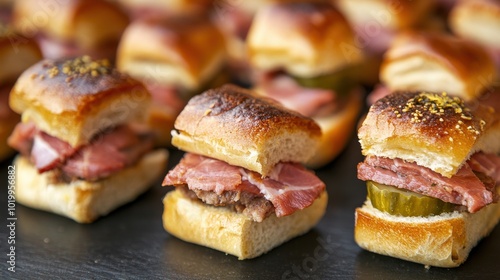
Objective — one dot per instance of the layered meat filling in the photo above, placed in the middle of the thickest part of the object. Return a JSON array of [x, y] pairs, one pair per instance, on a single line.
[[473, 186], [106, 154], [289, 187]]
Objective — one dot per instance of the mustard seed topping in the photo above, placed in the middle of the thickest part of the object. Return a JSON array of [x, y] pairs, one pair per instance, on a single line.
[[427, 107], [80, 66]]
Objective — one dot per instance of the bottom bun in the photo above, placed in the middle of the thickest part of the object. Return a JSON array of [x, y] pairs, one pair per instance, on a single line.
[[236, 234], [85, 201], [336, 130], [442, 241]]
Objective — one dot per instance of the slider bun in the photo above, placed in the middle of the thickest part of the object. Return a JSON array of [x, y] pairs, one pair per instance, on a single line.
[[16, 54], [477, 20], [442, 241], [184, 52], [337, 130], [304, 39], [232, 233], [85, 201], [88, 23], [437, 62], [74, 107], [394, 15], [440, 142], [231, 124]]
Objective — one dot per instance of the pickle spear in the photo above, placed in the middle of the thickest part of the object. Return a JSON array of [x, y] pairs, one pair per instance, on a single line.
[[405, 203]]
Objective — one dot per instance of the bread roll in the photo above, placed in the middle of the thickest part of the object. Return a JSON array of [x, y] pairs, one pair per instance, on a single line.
[[236, 234], [85, 201], [437, 62], [421, 127], [226, 123], [304, 39], [16, 54], [65, 29], [393, 15], [181, 52], [75, 99], [442, 241], [477, 20]]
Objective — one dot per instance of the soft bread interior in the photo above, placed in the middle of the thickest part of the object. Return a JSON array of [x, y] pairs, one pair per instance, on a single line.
[[422, 73], [262, 157], [442, 241], [232, 233]]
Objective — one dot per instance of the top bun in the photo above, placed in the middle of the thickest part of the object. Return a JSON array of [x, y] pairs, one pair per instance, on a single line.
[[388, 14], [437, 62], [233, 125], [74, 100], [305, 39], [478, 20], [87, 23], [184, 52], [16, 54], [433, 130]]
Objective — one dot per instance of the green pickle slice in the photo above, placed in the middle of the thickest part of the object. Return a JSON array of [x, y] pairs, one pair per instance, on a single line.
[[405, 203]]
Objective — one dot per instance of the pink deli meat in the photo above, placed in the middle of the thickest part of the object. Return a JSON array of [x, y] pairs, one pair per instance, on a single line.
[[289, 187], [108, 153], [464, 188], [310, 102]]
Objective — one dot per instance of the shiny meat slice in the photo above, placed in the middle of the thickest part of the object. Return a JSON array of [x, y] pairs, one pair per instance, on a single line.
[[290, 187], [464, 188]]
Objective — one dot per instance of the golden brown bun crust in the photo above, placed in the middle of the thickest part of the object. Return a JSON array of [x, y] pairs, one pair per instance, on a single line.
[[84, 201], [337, 130], [233, 233], [395, 15], [16, 54], [477, 20], [233, 125], [411, 126], [89, 23], [185, 52], [74, 106], [415, 60], [141, 8], [305, 39], [441, 241]]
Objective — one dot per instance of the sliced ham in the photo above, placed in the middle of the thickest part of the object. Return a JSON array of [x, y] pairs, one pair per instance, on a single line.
[[488, 164], [107, 153], [290, 187], [310, 102], [465, 188], [166, 96], [48, 152]]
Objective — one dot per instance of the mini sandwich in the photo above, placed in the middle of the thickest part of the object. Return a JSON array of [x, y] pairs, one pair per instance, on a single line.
[[298, 48], [71, 28], [435, 62], [240, 188], [171, 58], [83, 149], [478, 21], [377, 22], [432, 170], [14, 59]]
